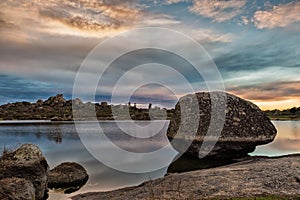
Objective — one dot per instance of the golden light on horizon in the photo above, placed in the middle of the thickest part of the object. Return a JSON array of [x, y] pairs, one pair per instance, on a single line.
[[281, 105]]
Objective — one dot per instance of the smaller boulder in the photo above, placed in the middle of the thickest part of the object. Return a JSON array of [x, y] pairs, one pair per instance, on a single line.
[[29, 163], [69, 176], [16, 189]]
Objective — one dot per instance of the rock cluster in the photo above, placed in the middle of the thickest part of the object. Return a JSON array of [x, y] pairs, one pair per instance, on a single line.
[[56, 108], [245, 125], [27, 162], [24, 175]]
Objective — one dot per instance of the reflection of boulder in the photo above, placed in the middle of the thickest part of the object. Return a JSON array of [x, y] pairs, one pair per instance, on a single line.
[[26, 162], [16, 189], [246, 126], [69, 176]]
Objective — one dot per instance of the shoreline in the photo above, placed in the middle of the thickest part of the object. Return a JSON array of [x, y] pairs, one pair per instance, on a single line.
[[208, 184], [24, 122], [49, 122]]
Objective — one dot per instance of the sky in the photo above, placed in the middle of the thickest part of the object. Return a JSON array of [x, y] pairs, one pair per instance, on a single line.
[[255, 45]]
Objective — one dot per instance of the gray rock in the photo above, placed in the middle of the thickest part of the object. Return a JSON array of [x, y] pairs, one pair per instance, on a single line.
[[70, 176], [274, 178], [16, 189], [26, 162], [245, 125]]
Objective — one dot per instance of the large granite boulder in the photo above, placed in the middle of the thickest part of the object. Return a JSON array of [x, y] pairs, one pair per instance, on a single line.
[[16, 189], [69, 176], [26, 162], [236, 126]]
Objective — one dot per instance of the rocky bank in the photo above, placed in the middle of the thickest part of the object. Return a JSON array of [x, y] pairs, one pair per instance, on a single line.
[[254, 177]]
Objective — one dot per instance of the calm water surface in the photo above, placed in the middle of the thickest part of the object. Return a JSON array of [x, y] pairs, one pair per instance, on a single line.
[[61, 143]]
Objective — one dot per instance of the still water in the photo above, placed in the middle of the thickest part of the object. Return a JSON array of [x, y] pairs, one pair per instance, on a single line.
[[60, 142]]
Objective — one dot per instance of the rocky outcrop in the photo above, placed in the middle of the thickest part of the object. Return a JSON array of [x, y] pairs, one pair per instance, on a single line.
[[26, 162], [69, 176], [57, 108], [255, 177], [245, 125], [16, 189]]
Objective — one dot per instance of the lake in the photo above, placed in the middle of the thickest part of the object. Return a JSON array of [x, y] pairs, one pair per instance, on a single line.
[[60, 142]]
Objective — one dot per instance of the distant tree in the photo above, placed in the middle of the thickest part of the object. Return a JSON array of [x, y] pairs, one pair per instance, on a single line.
[[129, 103], [293, 110], [134, 105]]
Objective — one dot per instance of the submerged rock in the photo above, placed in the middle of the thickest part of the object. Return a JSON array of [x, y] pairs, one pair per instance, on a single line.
[[70, 176], [26, 162], [16, 189], [245, 125]]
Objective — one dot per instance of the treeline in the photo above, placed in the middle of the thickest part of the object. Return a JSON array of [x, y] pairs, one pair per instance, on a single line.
[[291, 113]]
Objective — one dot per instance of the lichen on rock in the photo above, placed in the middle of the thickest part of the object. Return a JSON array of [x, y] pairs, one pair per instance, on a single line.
[[244, 125], [27, 162], [16, 189]]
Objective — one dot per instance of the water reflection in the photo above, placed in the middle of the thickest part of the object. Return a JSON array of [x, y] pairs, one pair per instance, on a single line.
[[60, 143], [287, 140]]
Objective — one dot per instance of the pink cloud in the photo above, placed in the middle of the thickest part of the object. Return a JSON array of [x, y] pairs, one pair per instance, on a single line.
[[280, 16], [218, 10]]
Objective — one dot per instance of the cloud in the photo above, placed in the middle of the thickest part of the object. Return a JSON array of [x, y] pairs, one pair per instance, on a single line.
[[5, 24], [245, 20], [274, 91], [218, 10], [25, 89], [169, 2], [91, 14], [204, 36], [158, 20], [253, 52], [77, 17], [279, 16]]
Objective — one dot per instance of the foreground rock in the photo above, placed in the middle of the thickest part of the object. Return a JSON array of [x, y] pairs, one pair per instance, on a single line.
[[26, 162], [16, 189], [245, 125], [256, 177], [69, 176]]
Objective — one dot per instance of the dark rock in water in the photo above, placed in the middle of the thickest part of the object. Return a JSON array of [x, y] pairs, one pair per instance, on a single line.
[[69, 176], [26, 162], [16, 189], [245, 126], [190, 163]]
